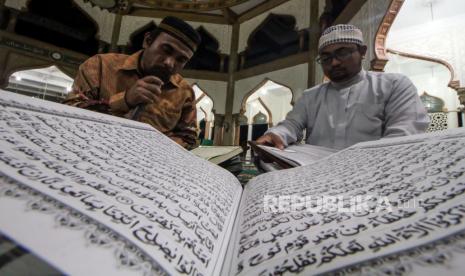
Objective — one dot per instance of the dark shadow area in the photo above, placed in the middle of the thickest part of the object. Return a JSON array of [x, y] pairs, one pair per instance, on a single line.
[[208, 57], [65, 25], [274, 38], [331, 11]]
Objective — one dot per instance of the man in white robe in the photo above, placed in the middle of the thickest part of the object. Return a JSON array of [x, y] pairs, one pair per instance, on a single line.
[[355, 106]]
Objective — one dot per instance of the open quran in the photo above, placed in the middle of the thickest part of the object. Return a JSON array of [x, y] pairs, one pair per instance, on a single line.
[[91, 194]]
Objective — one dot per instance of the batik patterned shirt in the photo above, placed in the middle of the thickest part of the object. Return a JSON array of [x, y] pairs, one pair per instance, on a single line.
[[101, 84]]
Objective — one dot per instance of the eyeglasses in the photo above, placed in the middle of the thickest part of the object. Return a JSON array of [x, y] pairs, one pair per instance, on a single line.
[[340, 54]]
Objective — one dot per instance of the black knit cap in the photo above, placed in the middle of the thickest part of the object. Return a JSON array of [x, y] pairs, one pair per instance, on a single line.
[[181, 30]]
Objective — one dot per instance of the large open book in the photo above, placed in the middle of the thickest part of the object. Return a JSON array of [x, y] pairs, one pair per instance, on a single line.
[[97, 195]]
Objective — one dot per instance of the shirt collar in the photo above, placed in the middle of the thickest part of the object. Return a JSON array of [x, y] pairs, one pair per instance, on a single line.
[[132, 63], [355, 79]]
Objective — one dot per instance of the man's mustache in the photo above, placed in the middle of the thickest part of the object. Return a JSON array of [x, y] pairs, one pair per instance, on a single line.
[[337, 69], [161, 72]]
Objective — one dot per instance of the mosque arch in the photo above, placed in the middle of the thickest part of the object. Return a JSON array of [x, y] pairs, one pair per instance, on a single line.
[[257, 87], [36, 64], [49, 83], [409, 40], [205, 92], [453, 82], [267, 98], [205, 106]]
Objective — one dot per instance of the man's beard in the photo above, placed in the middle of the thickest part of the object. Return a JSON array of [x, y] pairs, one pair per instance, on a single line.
[[338, 74], [160, 72], [342, 73]]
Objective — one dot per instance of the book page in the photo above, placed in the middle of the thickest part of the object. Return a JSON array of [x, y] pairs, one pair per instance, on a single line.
[[300, 155], [124, 188], [400, 201]]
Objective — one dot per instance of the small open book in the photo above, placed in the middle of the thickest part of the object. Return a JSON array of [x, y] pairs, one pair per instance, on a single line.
[[91, 194], [217, 154], [292, 156]]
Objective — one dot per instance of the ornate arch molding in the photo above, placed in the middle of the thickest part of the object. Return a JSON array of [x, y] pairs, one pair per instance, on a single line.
[[63, 69], [28, 64], [205, 93], [380, 60], [204, 112], [258, 86], [267, 109], [453, 82]]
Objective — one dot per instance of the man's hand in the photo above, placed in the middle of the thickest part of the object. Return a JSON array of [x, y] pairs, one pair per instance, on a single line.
[[144, 91], [271, 139]]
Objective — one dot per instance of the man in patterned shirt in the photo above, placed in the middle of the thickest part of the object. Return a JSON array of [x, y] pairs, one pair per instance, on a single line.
[[145, 86]]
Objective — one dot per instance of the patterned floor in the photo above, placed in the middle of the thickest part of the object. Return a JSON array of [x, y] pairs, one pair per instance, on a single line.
[[248, 172]]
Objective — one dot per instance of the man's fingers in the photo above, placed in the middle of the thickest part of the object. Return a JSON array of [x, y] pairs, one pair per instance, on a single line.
[[265, 139], [277, 141], [271, 139], [152, 79], [153, 88], [146, 100], [145, 96]]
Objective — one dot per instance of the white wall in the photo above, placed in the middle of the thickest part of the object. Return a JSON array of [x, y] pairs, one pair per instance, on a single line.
[[443, 39], [368, 19], [436, 33], [16, 4], [129, 24]]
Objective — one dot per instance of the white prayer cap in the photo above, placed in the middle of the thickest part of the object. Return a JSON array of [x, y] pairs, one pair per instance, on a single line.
[[340, 34]]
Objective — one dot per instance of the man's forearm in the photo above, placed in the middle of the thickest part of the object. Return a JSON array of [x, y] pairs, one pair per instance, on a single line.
[[186, 140], [87, 100]]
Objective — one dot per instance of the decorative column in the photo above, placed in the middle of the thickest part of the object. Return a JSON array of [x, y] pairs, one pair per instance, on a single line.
[[12, 21], [115, 33], [313, 42], [218, 133], [228, 124], [237, 126], [461, 94], [207, 129]]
